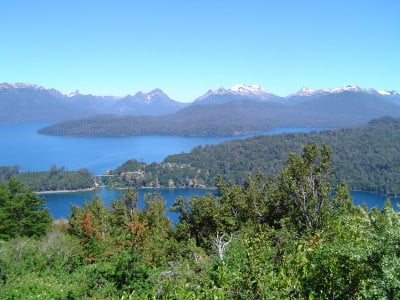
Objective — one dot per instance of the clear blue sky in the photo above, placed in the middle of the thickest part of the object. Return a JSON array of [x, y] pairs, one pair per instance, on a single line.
[[187, 47]]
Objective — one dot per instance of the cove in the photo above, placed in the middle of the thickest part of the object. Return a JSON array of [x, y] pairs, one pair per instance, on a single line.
[[59, 204]]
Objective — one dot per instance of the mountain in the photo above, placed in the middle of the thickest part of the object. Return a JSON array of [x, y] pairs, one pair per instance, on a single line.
[[23, 103], [92, 103], [305, 93], [155, 102], [236, 93], [238, 110], [331, 110], [255, 92]]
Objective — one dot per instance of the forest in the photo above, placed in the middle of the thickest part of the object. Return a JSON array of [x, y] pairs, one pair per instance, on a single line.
[[290, 236], [56, 179], [366, 157]]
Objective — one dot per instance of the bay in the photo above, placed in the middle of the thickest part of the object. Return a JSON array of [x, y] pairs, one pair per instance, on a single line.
[[59, 204], [23, 146]]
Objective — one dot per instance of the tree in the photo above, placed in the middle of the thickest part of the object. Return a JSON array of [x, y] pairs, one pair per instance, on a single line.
[[90, 223], [22, 212], [304, 187], [131, 200]]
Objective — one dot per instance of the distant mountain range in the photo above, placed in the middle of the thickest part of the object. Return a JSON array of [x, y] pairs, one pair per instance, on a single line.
[[239, 110], [237, 92], [237, 117], [255, 92], [22, 103]]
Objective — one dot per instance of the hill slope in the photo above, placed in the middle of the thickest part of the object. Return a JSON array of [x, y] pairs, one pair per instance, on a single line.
[[366, 157]]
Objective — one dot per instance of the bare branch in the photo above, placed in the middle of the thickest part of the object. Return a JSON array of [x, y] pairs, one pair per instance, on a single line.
[[221, 244]]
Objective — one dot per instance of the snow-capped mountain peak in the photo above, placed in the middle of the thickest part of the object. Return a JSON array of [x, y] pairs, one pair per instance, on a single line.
[[237, 92], [248, 89], [155, 93], [304, 92], [20, 85], [347, 88], [72, 94], [388, 93]]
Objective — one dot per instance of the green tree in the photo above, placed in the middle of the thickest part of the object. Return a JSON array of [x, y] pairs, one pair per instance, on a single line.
[[304, 187], [90, 224], [22, 212], [131, 201]]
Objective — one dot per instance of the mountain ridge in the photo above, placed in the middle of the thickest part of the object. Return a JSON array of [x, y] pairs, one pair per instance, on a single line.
[[242, 89], [238, 117], [26, 102]]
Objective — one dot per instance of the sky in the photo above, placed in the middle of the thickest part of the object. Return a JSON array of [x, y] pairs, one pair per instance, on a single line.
[[187, 47]]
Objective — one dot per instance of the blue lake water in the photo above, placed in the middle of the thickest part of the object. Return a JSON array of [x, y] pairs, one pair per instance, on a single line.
[[59, 204], [24, 147]]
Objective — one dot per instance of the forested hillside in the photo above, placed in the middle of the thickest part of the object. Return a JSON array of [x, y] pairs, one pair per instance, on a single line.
[[367, 157]]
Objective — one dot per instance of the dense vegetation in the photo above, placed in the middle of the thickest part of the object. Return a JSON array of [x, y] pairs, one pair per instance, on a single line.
[[367, 157], [54, 180], [292, 236], [21, 212], [7, 172], [238, 117]]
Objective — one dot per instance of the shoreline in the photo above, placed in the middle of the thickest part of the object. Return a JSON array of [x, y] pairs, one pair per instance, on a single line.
[[121, 188], [65, 191], [172, 188], [162, 188]]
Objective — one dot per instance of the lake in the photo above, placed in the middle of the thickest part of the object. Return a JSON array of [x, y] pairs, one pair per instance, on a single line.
[[59, 204], [24, 147]]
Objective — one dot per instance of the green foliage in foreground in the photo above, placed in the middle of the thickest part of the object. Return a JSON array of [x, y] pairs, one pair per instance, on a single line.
[[21, 211], [293, 236], [367, 158]]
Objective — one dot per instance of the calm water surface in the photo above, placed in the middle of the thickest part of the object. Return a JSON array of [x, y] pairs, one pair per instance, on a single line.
[[60, 203], [373, 200], [24, 147]]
